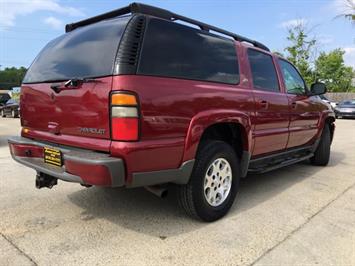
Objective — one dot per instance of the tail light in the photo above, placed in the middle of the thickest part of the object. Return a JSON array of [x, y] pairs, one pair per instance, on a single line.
[[124, 117]]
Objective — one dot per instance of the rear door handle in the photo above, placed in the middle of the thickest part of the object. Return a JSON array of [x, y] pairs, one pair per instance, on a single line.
[[264, 104]]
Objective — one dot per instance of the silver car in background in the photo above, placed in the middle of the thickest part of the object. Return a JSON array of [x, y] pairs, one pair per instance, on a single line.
[[326, 100], [345, 109]]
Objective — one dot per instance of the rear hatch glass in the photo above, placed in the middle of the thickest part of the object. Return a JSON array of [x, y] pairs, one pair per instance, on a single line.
[[83, 110], [85, 52]]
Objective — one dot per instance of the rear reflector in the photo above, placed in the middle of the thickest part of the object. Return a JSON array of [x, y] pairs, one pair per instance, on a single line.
[[124, 117]]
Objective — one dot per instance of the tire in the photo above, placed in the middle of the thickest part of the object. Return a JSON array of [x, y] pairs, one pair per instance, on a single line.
[[193, 196], [3, 113], [14, 113], [322, 153]]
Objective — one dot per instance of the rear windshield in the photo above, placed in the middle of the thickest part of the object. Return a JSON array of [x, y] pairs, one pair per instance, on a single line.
[[86, 52], [175, 50]]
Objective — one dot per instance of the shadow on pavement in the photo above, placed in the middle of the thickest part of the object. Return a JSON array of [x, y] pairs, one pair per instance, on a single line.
[[141, 211], [3, 140]]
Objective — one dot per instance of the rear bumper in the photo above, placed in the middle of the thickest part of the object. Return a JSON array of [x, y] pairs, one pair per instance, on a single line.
[[91, 168], [79, 165]]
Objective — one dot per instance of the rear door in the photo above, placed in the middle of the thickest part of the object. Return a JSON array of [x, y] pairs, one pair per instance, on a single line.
[[304, 110], [57, 111], [271, 105]]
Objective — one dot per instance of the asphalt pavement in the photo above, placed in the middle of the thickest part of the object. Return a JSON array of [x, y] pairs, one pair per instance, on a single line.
[[297, 215]]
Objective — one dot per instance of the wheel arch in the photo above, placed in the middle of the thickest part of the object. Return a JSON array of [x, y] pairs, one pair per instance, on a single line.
[[330, 122], [327, 118], [230, 126]]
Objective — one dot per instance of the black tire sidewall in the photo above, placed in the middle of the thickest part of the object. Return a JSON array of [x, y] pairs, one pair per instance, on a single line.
[[322, 153], [212, 151]]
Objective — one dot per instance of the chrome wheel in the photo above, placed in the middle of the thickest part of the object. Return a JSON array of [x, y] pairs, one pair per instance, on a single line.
[[218, 182]]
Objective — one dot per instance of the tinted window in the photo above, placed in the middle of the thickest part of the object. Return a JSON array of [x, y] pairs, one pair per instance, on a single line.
[[85, 52], [174, 50], [348, 102], [4, 97], [263, 71], [293, 80], [11, 101]]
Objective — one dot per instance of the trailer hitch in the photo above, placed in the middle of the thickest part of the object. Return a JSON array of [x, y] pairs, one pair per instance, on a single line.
[[44, 180]]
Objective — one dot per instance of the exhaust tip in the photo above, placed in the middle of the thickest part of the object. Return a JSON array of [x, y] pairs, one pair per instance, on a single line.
[[158, 191]]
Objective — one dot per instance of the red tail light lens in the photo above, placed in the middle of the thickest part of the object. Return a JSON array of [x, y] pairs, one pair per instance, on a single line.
[[125, 128], [124, 117]]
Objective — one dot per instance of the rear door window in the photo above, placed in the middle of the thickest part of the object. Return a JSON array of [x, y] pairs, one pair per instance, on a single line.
[[263, 71], [86, 52], [175, 50]]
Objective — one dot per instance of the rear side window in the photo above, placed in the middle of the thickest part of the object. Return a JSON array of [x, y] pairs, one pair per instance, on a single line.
[[263, 71], [4, 97], [174, 50], [86, 52]]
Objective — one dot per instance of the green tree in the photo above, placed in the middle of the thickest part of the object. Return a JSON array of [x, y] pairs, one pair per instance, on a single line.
[[11, 77], [330, 69], [300, 50]]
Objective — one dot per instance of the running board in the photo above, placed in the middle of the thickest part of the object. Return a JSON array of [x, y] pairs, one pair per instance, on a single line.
[[280, 165]]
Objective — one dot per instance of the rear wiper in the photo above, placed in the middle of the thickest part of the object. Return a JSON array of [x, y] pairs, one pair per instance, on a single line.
[[75, 82]]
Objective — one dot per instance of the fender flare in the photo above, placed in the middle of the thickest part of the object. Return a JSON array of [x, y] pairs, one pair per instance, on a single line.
[[201, 121], [324, 116]]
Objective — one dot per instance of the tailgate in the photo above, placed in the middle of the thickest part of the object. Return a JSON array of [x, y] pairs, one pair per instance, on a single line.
[[57, 109], [82, 111]]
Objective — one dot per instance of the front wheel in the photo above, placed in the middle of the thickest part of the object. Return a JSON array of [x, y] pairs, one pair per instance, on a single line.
[[322, 153], [213, 184]]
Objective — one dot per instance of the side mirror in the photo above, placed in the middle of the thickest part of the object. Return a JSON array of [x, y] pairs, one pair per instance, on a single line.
[[318, 88]]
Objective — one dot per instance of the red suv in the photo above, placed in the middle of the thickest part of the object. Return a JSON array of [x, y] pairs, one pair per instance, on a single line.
[[133, 98]]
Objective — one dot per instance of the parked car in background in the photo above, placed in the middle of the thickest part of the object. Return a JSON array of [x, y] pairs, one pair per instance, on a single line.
[[326, 100], [11, 108], [4, 97], [171, 104], [345, 109]]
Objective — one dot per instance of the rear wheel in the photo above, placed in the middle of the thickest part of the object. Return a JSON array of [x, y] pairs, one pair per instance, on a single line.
[[322, 153], [213, 184], [2, 113]]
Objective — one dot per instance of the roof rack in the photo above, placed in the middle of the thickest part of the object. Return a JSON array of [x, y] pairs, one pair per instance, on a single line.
[[161, 13]]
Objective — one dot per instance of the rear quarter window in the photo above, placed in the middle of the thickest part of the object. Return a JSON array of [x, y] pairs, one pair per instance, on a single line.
[[174, 50]]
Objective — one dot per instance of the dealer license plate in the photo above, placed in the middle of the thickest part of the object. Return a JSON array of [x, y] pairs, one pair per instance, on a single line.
[[52, 156]]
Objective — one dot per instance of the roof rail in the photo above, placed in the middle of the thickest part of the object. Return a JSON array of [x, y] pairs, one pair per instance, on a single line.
[[161, 13]]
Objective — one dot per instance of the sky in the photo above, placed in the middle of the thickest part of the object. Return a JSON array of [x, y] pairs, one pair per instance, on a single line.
[[27, 25]]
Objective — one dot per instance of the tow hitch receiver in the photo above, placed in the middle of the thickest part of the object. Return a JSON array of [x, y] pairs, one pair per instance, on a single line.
[[44, 180]]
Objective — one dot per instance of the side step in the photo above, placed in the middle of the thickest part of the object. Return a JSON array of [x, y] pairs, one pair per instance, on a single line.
[[270, 167]]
